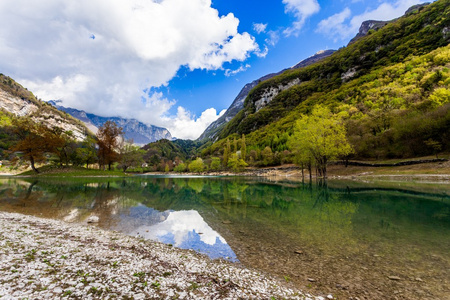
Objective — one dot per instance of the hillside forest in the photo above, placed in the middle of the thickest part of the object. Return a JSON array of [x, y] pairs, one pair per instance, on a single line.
[[384, 96]]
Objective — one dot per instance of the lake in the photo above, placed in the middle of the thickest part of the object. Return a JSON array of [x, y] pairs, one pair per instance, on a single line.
[[383, 240]]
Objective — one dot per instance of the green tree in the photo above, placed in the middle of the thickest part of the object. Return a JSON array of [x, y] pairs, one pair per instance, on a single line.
[[321, 136], [215, 164], [65, 147], [131, 156], [197, 166], [267, 156], [226, 153], [108, 136], [87, 152], [236, 164], [243, 148], [181, 167], [435, 145]]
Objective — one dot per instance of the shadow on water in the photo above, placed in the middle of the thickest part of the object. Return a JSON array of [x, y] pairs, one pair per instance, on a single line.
[[343, 238]]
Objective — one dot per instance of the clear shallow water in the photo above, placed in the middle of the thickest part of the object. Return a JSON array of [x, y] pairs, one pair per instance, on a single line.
[[349, 237]]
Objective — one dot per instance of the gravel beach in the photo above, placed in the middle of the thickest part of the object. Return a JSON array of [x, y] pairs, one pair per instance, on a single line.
[[50, 259]]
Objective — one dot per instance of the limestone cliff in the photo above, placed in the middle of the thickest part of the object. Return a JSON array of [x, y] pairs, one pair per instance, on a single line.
[[238, 104], [20, 102]]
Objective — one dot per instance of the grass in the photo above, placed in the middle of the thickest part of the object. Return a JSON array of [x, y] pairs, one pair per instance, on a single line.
[[53, 171]]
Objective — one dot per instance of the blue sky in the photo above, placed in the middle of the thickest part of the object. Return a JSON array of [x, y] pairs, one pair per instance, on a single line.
[[172, 63]]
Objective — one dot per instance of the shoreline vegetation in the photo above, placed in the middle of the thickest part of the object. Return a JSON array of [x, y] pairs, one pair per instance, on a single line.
[[70, 260], [419, 168]]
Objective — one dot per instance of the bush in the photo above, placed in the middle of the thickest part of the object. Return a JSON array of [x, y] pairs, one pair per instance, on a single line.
[[197, 166]]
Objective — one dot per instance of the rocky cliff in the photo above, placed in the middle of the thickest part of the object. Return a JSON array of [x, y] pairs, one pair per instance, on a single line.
[[20, 102], [141, 133], [238, 104], [368, 25]]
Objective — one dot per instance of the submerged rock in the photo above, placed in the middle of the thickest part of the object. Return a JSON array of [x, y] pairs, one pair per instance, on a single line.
[[93, 219]]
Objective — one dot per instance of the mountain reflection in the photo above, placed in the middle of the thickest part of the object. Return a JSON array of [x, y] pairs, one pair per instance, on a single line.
[[183, 229]]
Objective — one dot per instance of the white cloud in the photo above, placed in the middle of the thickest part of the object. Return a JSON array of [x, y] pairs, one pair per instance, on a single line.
[[186, 126], [334, 26], [229, 72], [341, 26], [48, 46], [180, 224], [259, 27], [302, 9], [273, 38]]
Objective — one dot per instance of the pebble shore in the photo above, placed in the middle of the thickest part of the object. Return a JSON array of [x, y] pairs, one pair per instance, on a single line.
[[50, 259]]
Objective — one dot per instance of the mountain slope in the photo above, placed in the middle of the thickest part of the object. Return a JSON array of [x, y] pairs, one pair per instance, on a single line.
[[16, 100], [410, 35], [238, 104], [387, 84], [141, 133]]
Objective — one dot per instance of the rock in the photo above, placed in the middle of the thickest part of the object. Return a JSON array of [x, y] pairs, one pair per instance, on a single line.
[[311, 279], [298, 252], [58, 290], [93, 219], [418, 279], [394, 278], [330, 297]]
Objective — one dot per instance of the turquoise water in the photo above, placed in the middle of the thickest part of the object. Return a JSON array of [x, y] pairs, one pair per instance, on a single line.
[[349, 237]]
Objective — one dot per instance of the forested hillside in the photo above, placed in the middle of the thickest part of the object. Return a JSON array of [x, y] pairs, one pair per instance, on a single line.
[[391, 88]]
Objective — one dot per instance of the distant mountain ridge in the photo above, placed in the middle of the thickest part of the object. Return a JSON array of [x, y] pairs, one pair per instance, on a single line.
[[139, 132], [212, 130]]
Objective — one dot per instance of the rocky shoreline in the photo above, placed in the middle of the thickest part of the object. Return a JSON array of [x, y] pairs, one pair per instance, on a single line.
[[50, 259]]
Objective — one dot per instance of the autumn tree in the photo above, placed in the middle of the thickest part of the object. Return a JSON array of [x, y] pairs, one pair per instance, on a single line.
[[34, 140], [108, 135], [321, 136]]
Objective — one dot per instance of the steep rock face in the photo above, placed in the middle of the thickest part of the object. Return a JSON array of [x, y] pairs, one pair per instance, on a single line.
[[368, 25], [238, 104], [141, 133], [17, 100]]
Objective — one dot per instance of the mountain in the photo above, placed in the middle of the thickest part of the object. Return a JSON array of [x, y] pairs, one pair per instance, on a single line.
[[373, 25], [238, 104], [17, 101], [391, 85], [141, 133]]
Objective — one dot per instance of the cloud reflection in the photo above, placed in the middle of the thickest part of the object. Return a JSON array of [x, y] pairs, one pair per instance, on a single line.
[[183, 229]]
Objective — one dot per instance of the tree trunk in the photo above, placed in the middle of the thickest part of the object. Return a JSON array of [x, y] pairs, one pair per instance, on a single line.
[[310, 172], [32, 164], [303, 173]]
